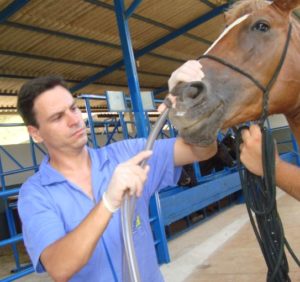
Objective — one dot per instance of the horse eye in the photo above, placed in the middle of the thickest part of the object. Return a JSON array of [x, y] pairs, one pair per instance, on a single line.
[[261, 26]]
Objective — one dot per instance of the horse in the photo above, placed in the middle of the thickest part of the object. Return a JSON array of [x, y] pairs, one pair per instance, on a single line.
[[251, 70]]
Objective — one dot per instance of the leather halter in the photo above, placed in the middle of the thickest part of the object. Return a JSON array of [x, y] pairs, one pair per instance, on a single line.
[[264, 89]]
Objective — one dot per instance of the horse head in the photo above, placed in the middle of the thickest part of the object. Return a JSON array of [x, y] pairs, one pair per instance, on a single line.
[[230, 93]]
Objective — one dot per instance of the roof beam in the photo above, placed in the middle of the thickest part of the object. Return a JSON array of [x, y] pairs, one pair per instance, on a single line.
[[149, 21], [11, 9], [74, 37], [132, 7], [208, 3], [153, 45], [64, 61], [26, 77]]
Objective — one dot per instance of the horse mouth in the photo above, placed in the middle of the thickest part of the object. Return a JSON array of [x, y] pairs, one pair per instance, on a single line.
[[203, 118], [203, 130]]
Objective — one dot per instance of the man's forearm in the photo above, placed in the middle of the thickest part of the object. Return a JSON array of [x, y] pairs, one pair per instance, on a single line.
[[288, 178], [186, 153], [69, 254]]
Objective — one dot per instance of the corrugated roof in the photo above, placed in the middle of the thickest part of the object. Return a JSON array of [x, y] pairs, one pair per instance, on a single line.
[[79, 38]]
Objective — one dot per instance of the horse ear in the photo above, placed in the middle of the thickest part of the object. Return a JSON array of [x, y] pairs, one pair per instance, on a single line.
[[287, 5]]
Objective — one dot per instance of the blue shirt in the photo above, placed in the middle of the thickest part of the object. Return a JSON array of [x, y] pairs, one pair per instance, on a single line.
[[50, 207]]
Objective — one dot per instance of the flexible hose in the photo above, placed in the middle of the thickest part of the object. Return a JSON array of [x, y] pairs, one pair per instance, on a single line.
[[130, 267]]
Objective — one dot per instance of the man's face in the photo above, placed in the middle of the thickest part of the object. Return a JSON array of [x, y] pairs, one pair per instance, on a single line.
[[61, 126]]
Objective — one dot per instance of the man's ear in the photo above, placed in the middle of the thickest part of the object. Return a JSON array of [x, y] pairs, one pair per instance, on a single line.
[[35, 133]]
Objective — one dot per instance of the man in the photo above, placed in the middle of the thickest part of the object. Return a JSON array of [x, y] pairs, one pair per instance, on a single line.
[[287, 175], [70, 207]]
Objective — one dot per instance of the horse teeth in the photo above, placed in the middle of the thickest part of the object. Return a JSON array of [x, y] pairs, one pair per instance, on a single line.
[[180, 114]]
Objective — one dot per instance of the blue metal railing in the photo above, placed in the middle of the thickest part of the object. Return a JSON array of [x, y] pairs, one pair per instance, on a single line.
[[7, 193]]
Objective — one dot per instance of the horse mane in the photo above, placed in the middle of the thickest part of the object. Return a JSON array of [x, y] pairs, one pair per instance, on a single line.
[[243, 7]]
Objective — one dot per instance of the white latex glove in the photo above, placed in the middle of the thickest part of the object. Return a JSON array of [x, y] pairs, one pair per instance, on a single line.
[[188, 72], [127, 177]]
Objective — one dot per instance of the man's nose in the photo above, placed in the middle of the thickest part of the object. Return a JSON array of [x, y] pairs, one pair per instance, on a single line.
[[72, 118]]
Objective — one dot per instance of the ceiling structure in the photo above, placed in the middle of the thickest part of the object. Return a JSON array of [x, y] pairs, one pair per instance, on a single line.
[[79, 40]]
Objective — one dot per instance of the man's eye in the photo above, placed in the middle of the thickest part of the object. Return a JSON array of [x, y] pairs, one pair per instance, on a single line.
[[57, 118]]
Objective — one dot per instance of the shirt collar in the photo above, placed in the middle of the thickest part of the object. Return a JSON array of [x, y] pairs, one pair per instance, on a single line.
[[50, 175]]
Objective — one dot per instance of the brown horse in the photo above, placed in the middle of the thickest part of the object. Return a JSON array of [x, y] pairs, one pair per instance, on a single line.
[[249, 52]]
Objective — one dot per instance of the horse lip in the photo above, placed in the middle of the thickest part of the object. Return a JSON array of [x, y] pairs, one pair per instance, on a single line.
[[180, 114], [205, 116]]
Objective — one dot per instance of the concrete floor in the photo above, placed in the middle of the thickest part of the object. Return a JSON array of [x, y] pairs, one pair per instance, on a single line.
[[223, 248]]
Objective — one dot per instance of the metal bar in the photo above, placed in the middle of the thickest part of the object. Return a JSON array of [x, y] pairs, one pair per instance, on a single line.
[[11, 9], [182, 30], [111, 134], [11, 157], [208, 3], [160, 90], [132, 8], [124, 126], [72, 37], [18, 275], [10, 192], [11, 124], [90, 122], [153, 45], [158, 229], [12, 233], [64, 61], [61, 34], [149, 21], [131, 71], [18, 170], [70, 80], [11, 240], [40, 149], [46, 58], [33, 155]]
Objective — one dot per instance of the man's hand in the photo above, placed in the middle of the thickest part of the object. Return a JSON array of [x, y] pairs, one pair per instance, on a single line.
[[128, 177], [189, 71], [251, 149]]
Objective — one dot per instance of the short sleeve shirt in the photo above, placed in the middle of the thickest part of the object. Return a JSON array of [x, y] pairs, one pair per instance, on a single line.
[[50, 207]]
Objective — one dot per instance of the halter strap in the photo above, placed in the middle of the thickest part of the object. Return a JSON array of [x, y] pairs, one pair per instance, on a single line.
[[265, 90]]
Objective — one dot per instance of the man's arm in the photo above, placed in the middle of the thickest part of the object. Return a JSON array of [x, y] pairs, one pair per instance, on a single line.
[[186, 153], [68, 255], [287, 175]]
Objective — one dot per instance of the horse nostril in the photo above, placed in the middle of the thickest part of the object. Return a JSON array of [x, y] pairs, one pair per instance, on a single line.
[[194, 89]]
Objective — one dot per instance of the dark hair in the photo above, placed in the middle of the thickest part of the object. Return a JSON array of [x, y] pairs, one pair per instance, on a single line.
[[31, 90]]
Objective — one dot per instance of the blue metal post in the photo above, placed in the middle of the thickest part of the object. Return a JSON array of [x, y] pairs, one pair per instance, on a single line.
[[160, 238], [124, 126], [90, 121], [9, 217], [132, 76], [204, 18], [132, 7], [296, 149], [34, 161]]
